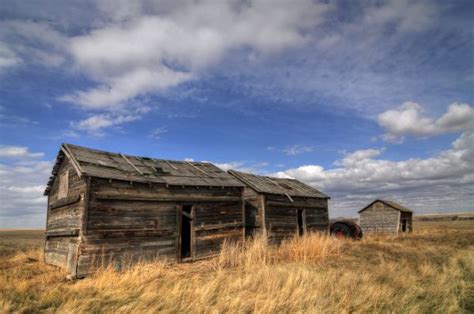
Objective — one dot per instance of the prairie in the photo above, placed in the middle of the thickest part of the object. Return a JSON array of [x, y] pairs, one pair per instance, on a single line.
[[424, 271]]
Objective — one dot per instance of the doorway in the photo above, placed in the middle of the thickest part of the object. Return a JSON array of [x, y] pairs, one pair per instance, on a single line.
[[301, 221], [404, 225], [186, 232]]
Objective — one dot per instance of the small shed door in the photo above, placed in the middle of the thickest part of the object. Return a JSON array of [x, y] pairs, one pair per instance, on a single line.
[[186, 232], [301, 221], [404, 225]]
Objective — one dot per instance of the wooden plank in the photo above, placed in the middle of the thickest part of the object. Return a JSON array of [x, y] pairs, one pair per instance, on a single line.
[[199, 169], [63, 233], [264, 218], [190, 216], [73, 161], [65, 201], [219, 226], [171, 165], [179, 212], [131, 164], [293, 205], [193, 234], [87, 197], [194, 198]]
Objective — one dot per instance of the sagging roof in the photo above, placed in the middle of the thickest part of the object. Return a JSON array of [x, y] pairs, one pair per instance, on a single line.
[[389, 203], [102, 164], [280, 186]]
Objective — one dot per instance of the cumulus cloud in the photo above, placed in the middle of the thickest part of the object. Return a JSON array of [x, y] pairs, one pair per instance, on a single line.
[[243, 166], [157, 133], [18, 152], [23, 175], [29, 42], [442, 182], [297, 150], [97, 123], [405, 14], [140, 52], [408, 119], [7, 58]]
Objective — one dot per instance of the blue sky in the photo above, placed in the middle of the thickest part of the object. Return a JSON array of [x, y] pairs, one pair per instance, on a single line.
[[359, 99]]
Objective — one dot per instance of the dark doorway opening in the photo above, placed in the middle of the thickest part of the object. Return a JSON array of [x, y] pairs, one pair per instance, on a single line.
[[250, 220], [404, 225], [186, 222], [301, 222]]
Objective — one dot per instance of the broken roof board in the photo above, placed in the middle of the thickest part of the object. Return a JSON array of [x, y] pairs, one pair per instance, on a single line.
[[280, 186]]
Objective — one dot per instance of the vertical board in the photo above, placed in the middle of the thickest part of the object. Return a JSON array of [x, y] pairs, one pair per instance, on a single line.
[[63, 184]]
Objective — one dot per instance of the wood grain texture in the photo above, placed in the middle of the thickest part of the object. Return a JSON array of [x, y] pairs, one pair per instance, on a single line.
[[381, 218]]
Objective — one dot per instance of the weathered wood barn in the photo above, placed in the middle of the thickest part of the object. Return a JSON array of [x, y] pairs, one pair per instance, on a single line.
[[387, 217], [281, 207], [113, 208]]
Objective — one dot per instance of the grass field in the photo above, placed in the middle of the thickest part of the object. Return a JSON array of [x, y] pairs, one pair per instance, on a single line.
[[422, 272]]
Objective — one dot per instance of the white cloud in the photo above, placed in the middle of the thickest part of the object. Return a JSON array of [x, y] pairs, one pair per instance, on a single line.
[[7, 57], [243, 166], [140, 52], [26, 42], [442, 182], [297, 150], [407, 15], [97, 123], [157, 133], [22, 184], [408, 119], [18, 152]]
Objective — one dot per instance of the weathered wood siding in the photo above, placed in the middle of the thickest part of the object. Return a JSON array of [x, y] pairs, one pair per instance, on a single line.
[[129, 222], [380, 218], [253, 212], [281, 216], [214, 223], [64, 218]]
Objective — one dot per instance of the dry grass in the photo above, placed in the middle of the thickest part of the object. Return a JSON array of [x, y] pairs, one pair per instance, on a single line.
[[421, 272]]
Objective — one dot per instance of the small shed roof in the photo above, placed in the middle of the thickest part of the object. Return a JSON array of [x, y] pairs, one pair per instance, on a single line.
[[102, 164], [389, 203], [280, 186]]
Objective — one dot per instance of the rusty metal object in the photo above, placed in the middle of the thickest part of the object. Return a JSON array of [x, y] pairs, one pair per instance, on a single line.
[[346, 229]]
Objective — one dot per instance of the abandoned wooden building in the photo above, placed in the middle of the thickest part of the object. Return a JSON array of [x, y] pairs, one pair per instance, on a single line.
[[113, 208], [281, 207], [385, 217]]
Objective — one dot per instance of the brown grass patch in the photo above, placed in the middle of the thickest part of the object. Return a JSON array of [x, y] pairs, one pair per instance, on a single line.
[[420, 272]]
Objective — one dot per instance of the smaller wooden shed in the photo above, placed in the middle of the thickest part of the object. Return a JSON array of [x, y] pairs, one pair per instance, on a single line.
[[281, 207], [387, 217]]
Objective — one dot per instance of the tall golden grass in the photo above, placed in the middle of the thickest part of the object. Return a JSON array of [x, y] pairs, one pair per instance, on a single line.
[[415, 273]]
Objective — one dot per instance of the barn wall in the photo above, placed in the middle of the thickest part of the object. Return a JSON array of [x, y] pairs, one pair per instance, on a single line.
[[129, 222], [281, 216], [379, 218], [216, 222], [253, 212], [64, 219]]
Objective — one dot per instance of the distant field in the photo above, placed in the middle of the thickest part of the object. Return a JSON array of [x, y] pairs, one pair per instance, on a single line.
[[20, 240], [452, 221]]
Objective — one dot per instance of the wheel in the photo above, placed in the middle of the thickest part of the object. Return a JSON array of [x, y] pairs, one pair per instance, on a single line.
[[341, 230]]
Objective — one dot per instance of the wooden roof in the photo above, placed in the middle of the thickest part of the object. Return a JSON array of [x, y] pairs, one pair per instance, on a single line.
[[280, 186], [389, 203], [101, 164]]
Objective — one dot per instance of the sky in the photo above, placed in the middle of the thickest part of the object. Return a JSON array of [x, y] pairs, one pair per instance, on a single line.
[[359, 99]]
